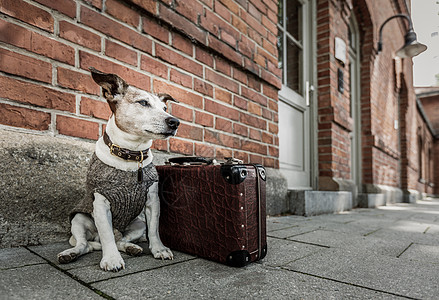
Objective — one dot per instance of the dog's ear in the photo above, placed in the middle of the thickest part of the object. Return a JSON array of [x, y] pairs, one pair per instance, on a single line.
[[166, 97], [111, 84]]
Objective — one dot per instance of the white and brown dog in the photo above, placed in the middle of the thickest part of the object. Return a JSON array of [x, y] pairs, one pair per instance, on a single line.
[[121, 180]]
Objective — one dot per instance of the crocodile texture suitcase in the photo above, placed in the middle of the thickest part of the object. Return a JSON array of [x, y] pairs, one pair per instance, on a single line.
[[213, 211]]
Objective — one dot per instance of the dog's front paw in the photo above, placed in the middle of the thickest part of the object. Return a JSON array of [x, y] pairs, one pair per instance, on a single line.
[[112, 263], [162, 253]]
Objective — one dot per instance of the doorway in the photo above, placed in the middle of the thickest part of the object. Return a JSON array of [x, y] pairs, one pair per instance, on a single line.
[[295, 98], [355, 108]]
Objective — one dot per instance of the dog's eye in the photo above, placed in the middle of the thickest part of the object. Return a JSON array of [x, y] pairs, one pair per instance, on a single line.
[[143, 103], [165, 108]]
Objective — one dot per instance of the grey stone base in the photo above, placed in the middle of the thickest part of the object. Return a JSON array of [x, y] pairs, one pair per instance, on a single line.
[[391, 194], [411, 196], [277, 193], [371, 200], [42, 177], [338, 184], [379, 195], [308, 203]]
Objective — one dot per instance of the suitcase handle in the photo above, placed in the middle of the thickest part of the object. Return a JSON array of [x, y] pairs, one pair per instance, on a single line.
[[201, 160], [192, 160]]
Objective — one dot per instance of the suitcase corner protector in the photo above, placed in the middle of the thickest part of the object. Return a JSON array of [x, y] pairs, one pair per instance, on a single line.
[[242, 258], [238, 258]]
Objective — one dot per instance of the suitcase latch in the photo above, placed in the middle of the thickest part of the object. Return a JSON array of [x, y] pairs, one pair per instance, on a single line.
[[234, 174], [261, 171]]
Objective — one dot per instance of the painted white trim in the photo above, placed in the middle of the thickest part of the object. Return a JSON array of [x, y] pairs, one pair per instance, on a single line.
[[296, 100], [355, 135]]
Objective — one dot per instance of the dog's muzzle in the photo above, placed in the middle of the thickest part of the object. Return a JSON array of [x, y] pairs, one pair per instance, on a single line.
[[172, 123]]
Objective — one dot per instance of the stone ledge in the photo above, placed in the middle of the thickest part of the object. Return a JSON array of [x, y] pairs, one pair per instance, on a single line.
[[337, 184], [411, 196], [371, 200], [277, 192], [309, 203], [43, 176], [391, 194]]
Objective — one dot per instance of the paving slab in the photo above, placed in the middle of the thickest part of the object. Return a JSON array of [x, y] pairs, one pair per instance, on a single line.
[[402, 210], [353, 242], [386, 253], [433, 229], [344, 217], [292, 220], [394, 275], [87, 269], [360, 226], [409, 226], [352, 227], [281, 251], [41, 282], [408, 235], [93, 259], [422, 253], [426, 216], [144, 262], [50, 252], [276, 225], [293, 231], [18, 257], [201, 279]]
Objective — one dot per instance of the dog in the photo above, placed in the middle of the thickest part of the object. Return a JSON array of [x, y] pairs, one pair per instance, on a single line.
[[122, 182]]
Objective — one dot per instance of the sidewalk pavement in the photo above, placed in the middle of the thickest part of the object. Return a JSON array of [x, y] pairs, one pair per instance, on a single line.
[[391, 252]]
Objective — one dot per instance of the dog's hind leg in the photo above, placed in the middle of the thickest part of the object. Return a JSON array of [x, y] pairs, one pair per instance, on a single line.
[[133, 232], [82, 227]]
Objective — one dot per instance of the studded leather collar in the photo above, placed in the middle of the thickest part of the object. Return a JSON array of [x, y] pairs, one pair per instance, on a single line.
[[124, 153]]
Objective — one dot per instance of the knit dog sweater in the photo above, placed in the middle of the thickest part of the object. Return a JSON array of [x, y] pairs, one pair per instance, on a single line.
[[126, 195]]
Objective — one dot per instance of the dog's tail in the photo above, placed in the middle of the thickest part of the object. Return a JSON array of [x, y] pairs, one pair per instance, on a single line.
[[95, 245], [92, 245]]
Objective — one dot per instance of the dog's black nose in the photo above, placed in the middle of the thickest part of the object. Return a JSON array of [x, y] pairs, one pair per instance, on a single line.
[[172, 122]]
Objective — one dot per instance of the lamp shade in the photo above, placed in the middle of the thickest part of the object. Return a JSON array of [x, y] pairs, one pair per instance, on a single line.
[[411, 46]]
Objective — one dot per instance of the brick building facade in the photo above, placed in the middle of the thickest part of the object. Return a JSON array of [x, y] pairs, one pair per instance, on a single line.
[[428, 140], [374, 117], [218, 61], [395, 152], [243, 71]]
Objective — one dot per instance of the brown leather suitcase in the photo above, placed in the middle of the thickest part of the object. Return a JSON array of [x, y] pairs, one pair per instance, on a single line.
[[213, 211]]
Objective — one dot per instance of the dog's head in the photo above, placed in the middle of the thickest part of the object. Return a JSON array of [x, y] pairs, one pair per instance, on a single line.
[[137, 111]]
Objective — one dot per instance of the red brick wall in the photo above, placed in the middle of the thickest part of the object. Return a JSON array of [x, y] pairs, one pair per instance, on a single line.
[[430, 105], [379, 91], [431, 108], [436, 168], [383, 103], [408, 133], [425, 153], [333, 138], [417, 171], [218, 58]]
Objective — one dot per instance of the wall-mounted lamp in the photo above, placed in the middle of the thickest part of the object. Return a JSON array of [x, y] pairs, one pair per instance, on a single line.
[[411, 46]]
